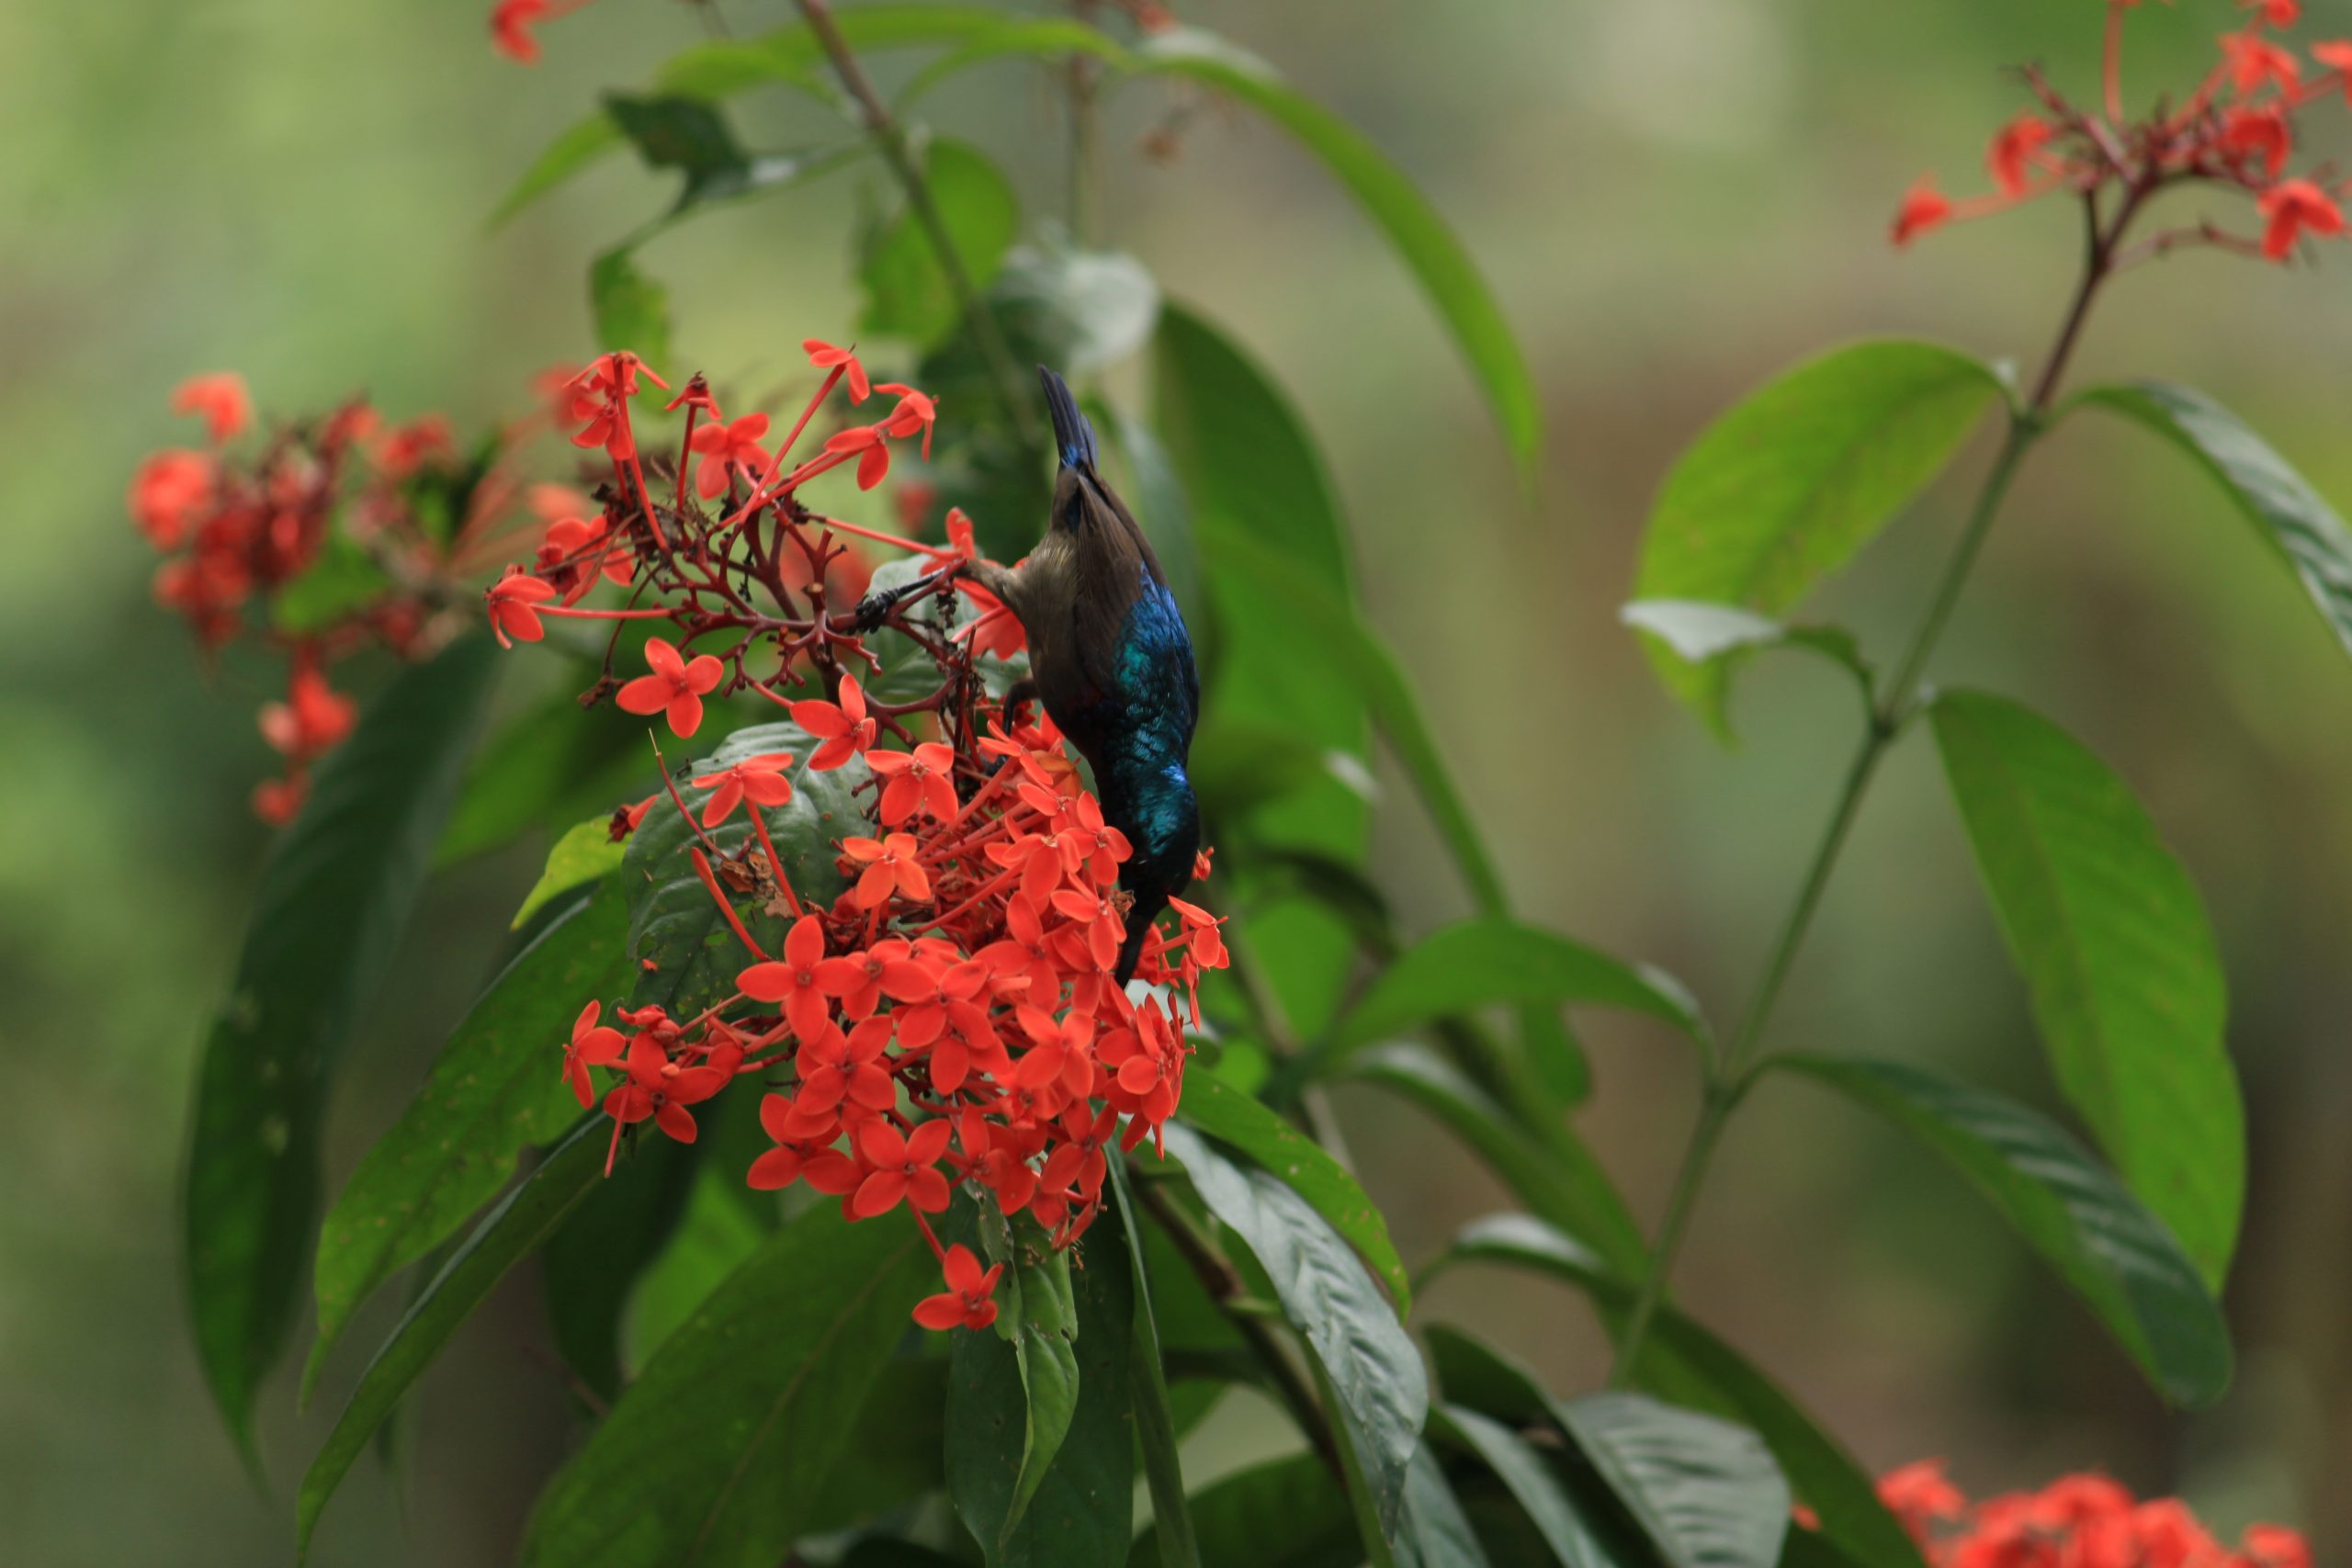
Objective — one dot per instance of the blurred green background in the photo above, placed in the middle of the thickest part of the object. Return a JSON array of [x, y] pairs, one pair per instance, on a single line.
[[1673, 199]]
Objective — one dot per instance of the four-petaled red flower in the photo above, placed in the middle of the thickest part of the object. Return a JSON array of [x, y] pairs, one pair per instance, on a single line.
[[758, 779], [900, 1165], [966, 1302], [1924, 208], [825, 356], [593, 1045], [514, 613], [675, 688], [726, 448], [922, 778], [2293, 208], [2013, 149], [659, 1087], [167, 492], [915, 411], [893, 864], [796, 981], [843, 727], [2251, 60], [314, 718]]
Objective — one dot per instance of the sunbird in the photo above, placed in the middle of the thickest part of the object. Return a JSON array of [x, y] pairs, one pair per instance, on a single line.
[[1113, 663]]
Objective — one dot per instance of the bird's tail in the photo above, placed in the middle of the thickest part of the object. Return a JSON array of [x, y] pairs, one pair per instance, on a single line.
[[1073, 437]]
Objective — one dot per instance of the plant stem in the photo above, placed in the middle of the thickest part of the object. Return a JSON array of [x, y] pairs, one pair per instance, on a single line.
[[890, 138], [1729, 1076]]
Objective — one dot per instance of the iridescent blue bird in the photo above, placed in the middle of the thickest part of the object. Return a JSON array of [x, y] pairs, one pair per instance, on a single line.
[[1111, 660]]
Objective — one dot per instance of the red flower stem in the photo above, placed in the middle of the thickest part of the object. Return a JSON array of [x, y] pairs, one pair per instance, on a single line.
[[2111, 73], [726, 905], [838, 526], [686, 446], [986, 888], [775, 861], [579, 614], [924, 1225], [832, 378]]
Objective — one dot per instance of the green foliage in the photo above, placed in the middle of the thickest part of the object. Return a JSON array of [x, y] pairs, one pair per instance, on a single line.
[[520, 1221], [594, 1261], [1287, 1513], [1705, 1492], [1380, 1393], [496, 1089], [1783, 489], [696, 1462], [1155, 1434], [1541, 1496], [2293, 516], [585, 854], [2117, 1255], [2108, 931], [334, 898], [343, 578], [908, 291], [631, 312]]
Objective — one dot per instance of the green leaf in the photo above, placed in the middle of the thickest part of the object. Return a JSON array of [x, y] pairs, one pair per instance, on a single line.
[[714, 1234], [1029, 1503], [1784, 488], [1286, 1513], [630, 310], [496, 1089], [1301, 1163], [1686, 1364], [1419, 235], [343, 579], [1480, 963], [1541, 1494], [1698, 632], [894, 1453], [335, 897], [585, 853], [1252, 472], [698, 1460], [596, 1258], [1155, 1435], [673, 921], [2292, 515], [908, 292], [1433, 1532], [681, 133], [1705, 1492], [1574, 1195], [786, 56], [2110, 935], [1380, 1393], [520, 1221], [2100, 1239]]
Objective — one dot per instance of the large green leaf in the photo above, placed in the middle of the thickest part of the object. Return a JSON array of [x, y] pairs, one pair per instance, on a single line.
[[593, 1260], [789, 56], [1540, 1493], [1281, 1150], [585, 853], [1687, 1364], [1482, 962], [520, 1221], [630, 311], [1781, 492], [2273, 496], [2110, 933], [1286, 1513], [2100, 1239], [1575, 1195], [1705, 1492], [1156, 1434], [334, 895], [1380, 1393], [1252, 472], [702, 1460], [673, 921], [1433, 1532], [1061, 1487], [496, 1089], [908, 291], [896, 1451], [1389, 200]]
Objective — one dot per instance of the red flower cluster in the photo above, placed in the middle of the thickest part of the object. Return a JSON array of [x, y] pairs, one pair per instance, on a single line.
[[699, 563], [2077, 1521], [241, 533], [2237, 130], [951, 1018]]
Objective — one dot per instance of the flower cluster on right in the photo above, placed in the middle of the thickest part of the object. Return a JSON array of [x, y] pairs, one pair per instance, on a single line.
[[2076, 1521]]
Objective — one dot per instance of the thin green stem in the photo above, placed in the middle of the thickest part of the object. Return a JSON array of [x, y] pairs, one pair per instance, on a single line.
[[891, 139], [1729, 1075]]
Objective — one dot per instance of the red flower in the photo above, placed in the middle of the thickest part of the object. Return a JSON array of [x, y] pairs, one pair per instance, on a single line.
[[1924, 208], [916, 411], [407, 447], [2260, 132], [2293, 208], [839, 1069], [2279, 13], [2251, 60], [758, 779], [514, 601], [168, 490], [824, 356], [220, 398], [794, 981], [658, 1088], [801, 1151], [312, 720], [922, 778], [2269, 1546], [2013, 149], [592, 1047], [2337, 57], [675, 688], [965, 1299], [599, 396], [903, 1166], [726, 448], [578, 550], [893, 864], [275, 801], [844, 729], [1920, 1494], [509, 28]]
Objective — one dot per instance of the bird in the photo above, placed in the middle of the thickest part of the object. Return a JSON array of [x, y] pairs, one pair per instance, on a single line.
[[1110, 660]]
